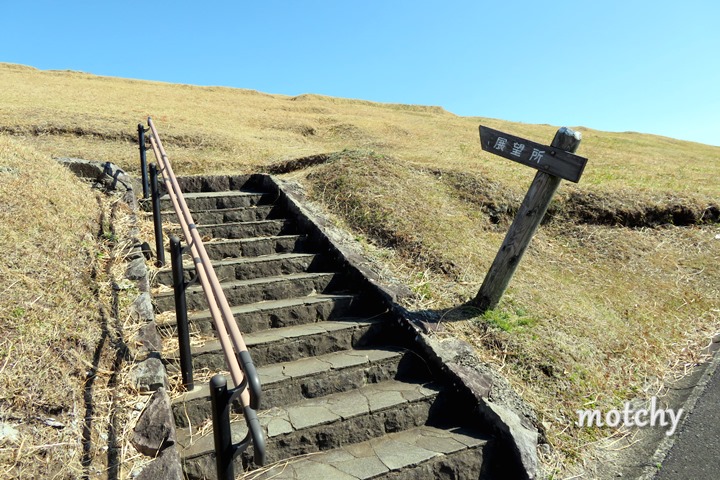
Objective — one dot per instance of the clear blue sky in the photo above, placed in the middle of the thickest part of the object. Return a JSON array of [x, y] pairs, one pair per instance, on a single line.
[[639, 65]]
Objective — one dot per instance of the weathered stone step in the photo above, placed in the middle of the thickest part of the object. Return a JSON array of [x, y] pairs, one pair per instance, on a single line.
[[229, 199], [239, 292], [221, 183], [423, 452], [297, 381], [258, 228], [254, 247], [292, 343], [324, 423], [257, 316], [229, 215], [245, 268]]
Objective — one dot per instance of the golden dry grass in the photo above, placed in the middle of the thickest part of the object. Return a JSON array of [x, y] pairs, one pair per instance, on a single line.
[[611, 300], [231, 130], [63, 405], [48, 312], [596, 314]]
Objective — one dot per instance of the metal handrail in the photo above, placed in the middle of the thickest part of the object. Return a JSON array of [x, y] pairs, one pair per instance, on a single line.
[[242, 370]]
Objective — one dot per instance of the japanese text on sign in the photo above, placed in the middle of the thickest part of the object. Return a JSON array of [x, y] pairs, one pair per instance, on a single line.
[[542, 157], [518, 148]]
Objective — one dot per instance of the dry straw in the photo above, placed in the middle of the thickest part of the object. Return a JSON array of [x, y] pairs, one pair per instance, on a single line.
[[617, 295]]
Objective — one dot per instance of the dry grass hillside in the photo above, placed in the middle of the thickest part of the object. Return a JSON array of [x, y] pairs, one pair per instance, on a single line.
[[49, 324], [617, 295]]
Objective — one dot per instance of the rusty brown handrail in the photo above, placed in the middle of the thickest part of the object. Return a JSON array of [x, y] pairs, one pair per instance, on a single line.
[[242, 370]]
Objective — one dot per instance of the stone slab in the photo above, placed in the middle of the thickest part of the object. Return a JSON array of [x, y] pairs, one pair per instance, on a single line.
[[396, 452], [312, 413]]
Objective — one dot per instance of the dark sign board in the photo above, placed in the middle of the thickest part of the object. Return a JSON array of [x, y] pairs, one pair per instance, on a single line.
[[542, 157]]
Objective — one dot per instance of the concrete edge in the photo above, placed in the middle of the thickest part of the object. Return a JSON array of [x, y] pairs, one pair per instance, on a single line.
[[498, 404]]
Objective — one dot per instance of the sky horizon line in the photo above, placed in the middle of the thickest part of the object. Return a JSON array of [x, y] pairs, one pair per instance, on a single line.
[[382, 102]]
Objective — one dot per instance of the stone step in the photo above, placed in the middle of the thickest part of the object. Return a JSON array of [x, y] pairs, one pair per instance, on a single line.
[[239, 292], [219, 200], [258, 316], [319, 424], [235, 230], [245, 268], [254, 247], [229, 215], [423, 452], [291, 343], [220, 183], [299, 380]]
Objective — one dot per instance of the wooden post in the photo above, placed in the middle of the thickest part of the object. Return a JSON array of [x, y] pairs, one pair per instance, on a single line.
[[523, 228]]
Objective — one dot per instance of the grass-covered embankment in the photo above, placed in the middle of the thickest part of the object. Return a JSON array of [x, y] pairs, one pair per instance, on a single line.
[[617, 294], [49, 326]]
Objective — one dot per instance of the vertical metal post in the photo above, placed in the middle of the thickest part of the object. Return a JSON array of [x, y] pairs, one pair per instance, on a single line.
[[179, 287], [159, 247], [143, 160], [220, 402]]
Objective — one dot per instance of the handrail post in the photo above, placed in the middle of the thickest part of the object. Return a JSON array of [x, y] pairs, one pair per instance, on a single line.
[[224, 450], [143, 160], [242, 370], [159, 247], [179, 286]]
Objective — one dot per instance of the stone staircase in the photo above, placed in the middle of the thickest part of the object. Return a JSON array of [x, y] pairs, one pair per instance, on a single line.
[[346, 394]]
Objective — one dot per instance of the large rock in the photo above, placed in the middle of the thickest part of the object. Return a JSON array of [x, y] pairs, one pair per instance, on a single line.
[[155, 429], [167, 466], [143, 307], [146, 342], [149, 375], [106, 175], [136, 269]]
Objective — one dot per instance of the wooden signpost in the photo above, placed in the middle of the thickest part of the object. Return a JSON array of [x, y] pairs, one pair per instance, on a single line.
[[554, 162]]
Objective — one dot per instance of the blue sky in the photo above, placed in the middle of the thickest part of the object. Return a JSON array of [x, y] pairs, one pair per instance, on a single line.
[[632, 65]]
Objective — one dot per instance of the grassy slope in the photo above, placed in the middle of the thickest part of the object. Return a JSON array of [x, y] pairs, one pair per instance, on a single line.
[[48, 311], [596, 313]]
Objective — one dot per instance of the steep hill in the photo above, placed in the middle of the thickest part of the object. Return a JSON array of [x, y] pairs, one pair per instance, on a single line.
[[618, 293]]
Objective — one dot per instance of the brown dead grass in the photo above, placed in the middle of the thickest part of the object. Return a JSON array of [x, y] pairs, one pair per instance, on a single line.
[[63, 316], [598, 313], [617, 293], [213, 129], [49, 327]]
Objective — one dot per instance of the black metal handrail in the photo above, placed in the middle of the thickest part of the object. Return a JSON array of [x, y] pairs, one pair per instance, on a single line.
[[247, 389]]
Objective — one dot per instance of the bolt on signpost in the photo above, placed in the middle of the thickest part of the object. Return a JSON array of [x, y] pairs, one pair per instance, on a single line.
[[554, 163]]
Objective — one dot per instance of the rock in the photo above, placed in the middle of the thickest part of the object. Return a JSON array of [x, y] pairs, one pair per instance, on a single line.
[[522, 438], [106, 175], [147, 341], [149, 375], [166, 466], [51, 422], [155, 429], [9, 433], [479, 384], [143, 307], [136, 269]]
